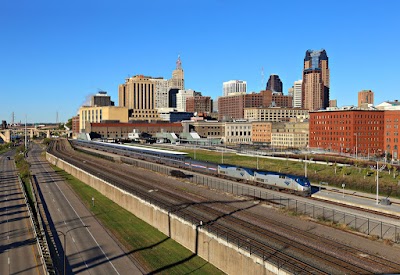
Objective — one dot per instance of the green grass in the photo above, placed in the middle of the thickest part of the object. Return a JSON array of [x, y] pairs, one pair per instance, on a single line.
[[156, 251], [355, 178]]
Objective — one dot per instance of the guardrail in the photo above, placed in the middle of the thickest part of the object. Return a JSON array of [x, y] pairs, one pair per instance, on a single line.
[[40, 240]]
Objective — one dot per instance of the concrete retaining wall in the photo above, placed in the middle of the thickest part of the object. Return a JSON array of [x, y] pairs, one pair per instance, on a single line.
[[225, 256]]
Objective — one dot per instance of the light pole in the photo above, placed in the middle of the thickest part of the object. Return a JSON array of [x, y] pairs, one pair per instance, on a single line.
[[305, 167], [377, 183], [355, 134], [65, 244]]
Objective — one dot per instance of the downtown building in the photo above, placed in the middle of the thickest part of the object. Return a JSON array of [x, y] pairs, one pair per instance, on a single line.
[[233, 87], [274, 84], [315, 87], [365, 98], [352, 131], [233, 106]]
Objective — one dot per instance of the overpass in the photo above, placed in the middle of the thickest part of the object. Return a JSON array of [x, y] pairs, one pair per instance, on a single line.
[[7, 134]]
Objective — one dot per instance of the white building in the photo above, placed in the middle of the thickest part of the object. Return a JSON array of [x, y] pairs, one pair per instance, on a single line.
[[233, 87], [181, 97], [389, 105], [297, 99], [161, 92], [238, 132]]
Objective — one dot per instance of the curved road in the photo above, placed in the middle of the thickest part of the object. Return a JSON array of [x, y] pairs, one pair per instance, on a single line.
[[90, 250], [18, 246]]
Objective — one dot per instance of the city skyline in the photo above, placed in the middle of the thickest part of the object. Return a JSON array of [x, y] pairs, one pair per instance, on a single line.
[[55, 55]]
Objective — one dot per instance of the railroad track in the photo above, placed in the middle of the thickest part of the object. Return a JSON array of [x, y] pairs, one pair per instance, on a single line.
[[224, 221]]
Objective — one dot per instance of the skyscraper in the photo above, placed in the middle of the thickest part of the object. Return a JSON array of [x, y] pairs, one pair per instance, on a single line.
[[274, 84], [297, 93], [177, 81], [315, 92], [232, 87]]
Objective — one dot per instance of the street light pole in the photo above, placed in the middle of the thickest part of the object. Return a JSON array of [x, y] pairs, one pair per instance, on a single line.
[[65, 244], [355, 134], [377, 183], [305, 167]]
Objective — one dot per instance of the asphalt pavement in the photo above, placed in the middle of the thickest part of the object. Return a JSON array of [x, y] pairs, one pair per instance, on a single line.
[[90, 248], [18, 246]]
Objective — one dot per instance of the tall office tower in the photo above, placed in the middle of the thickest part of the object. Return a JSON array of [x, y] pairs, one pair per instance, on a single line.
[[315, 94], [233, 87], [274, 84], [297, 93], [365, 97], [177, 81], [138, 95]]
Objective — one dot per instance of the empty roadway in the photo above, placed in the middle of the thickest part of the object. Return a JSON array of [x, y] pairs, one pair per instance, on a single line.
[[18, 246], [90, 250]]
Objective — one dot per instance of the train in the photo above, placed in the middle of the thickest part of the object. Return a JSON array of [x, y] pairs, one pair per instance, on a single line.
[[267, 179], [272, 180]]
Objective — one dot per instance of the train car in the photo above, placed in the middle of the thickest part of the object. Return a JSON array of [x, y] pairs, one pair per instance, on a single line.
[[143, 152], [236, 172], [280, 181]]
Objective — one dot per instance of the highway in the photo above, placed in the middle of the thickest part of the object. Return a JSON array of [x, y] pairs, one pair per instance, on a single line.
[[90, 248], [18, 246]]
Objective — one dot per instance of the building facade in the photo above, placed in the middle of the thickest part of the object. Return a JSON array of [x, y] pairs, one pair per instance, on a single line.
[[138, 95], [95, 114], [181, 97], [297, 93], [290, 134], [234, 87], [315, 90], [199, 104], [209, 129], [261, 132], [274, 84], [274, 114], [365, 97], [355, 131], [238, 132], [391, 133], [121, 130], [101, 99]]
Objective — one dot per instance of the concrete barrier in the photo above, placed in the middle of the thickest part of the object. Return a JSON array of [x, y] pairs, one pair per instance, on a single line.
[[226, 256]]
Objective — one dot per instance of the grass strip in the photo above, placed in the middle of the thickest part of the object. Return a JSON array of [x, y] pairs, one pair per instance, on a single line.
[[157, 253]]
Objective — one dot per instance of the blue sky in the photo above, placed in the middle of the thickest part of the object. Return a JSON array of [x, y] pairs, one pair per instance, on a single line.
[[53, 54]]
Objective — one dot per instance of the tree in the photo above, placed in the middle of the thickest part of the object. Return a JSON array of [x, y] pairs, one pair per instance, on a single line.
[[69, 123]]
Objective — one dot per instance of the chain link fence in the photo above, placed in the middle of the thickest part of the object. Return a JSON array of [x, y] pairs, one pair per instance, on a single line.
[[374, 228]]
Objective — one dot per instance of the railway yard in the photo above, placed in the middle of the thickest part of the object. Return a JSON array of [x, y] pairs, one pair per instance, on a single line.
[[293, 243]]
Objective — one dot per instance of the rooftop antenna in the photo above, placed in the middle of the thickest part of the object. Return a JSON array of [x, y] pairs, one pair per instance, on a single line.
[[12, 118]]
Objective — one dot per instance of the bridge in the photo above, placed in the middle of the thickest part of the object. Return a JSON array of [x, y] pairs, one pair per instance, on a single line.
[[7, 134]]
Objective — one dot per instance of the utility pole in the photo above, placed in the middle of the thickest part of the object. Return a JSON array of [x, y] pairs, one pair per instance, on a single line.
[[25, 133]]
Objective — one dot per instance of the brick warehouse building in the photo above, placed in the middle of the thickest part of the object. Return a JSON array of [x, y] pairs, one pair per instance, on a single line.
[[348, 131], [232, 107], [391, 134]]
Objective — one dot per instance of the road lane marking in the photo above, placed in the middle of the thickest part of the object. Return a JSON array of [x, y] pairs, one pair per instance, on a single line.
[[87, 229], [73, 239]]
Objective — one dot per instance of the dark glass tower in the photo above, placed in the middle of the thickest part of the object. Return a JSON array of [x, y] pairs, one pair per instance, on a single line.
[[274, 84]]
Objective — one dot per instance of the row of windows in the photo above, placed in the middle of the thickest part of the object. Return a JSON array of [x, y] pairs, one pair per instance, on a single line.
[[348, 116]]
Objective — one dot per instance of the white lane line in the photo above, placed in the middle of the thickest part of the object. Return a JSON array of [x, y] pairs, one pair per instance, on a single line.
[[73, 239], [87, 229], [58, 209], [65, 223], [9, 261]]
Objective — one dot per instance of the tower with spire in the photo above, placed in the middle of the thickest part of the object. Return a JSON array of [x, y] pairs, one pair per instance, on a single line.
[[177, 81]]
